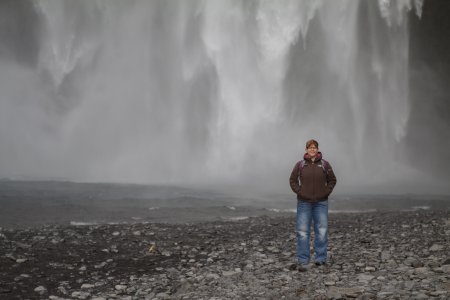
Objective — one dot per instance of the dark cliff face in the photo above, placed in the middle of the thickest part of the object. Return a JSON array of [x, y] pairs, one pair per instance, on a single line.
[[428, 132]]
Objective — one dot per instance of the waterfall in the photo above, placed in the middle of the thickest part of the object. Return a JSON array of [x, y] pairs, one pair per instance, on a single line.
[[206, 91]]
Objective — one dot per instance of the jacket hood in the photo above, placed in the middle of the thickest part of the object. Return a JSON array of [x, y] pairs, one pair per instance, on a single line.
[[308, 158]]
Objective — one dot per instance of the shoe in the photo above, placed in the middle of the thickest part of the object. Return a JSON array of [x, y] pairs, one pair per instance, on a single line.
[[303, 268], [320, 263], [299, 267]]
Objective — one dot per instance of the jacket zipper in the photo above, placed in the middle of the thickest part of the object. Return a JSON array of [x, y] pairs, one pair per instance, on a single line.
[[314, 181]]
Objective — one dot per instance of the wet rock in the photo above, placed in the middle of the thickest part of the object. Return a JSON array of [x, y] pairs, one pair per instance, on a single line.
[[212, 276], [421, 270], [101, 265], [436, 247], [417, 264], [351, 292], [420, 296], [230, 273], [273, 249], [80, 295], [162, 296], [62, 290], [385, 255], [446, 269], [384, 295], [53, 297], [120, 287], [5, 290], [439, 293], [23, 245], [333, 293], [365, 277], [10, 257], [41, 290]]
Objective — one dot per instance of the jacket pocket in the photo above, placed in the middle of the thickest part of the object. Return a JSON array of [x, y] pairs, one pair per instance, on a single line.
[[323, 192]]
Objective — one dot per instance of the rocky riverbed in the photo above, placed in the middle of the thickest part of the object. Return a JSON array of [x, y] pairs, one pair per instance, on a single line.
[[382, 255]]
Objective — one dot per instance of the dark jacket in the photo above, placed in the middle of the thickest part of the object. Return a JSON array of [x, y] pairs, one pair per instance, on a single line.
[[315, 181]]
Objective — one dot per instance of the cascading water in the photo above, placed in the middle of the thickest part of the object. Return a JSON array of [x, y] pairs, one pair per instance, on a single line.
[[205, 91]]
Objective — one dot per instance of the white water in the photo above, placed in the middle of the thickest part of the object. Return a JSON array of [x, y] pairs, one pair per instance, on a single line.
[[208, 91]]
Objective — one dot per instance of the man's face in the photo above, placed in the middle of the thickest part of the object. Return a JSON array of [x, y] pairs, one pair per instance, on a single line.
[[312, 150]]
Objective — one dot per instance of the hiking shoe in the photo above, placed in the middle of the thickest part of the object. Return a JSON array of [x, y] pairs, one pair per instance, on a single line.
[[303, 268], [320, 263], [299, 267]]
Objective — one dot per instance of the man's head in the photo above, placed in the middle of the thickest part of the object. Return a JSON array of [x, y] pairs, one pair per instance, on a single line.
[[312, 148]]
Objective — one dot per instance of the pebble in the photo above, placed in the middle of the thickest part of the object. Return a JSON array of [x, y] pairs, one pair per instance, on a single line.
[[417, 264], [80, 295], [333, 294], [120, 287], [212, 276], [40, 290], [420, 296], [162, 296], [229, 273], [384, 295], [385, 255], [436, 247], [420, 270], [446, 269], [438, 293], [87, 286], [365, 277]]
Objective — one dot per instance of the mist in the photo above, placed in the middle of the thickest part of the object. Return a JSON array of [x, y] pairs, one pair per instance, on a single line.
[[225, 93]]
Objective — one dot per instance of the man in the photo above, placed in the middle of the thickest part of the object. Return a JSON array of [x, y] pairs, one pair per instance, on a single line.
[[313, 180]]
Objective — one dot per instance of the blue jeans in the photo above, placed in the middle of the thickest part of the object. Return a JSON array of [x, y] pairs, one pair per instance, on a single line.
[[318, 213]]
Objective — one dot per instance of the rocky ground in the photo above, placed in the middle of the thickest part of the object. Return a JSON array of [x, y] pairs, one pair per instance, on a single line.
[[383, 255]]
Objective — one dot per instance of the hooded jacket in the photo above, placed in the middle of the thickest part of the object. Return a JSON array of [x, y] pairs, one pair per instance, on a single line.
[[314, 181]]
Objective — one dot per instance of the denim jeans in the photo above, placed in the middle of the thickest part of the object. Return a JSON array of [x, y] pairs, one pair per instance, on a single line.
[[318, 213]]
